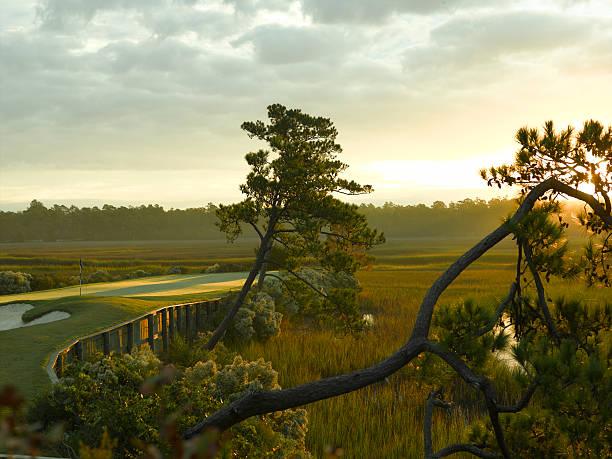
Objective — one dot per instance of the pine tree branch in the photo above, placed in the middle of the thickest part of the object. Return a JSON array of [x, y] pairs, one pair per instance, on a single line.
[[481, 383], [522, 403], [499, 311], [552, 329]]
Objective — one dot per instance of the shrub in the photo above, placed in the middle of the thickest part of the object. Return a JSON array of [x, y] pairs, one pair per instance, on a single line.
[[14, 282], [257, 319], [211, 269], [175, 270], [136, 274], [128, 397], [98, 276]]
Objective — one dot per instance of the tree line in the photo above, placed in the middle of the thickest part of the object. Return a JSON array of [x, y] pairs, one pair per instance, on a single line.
[[463, 218]]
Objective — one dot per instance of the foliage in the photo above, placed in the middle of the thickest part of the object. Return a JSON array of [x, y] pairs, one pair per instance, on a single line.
[[175, 270], [574, 159], [575, 391], [14, 282], [458, 328], [289, 201], [99, 275], [330, 298], [257, 319], [127, 398], [16, 436], [464, 218]]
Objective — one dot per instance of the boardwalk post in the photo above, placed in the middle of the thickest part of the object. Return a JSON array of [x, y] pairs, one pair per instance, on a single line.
[[179, 319], [130, 336], [61, 364], [151, 327], [164, 319], [171, 325], [78, 349], [188, 321], [106, 343], [198, 314]]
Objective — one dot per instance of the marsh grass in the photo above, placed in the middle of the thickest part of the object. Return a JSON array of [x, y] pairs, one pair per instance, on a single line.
[[386, 419]]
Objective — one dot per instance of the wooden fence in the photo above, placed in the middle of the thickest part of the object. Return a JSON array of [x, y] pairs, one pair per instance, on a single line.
[[154, 329]]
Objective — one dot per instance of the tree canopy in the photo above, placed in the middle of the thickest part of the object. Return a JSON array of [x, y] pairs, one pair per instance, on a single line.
[[290, 202]]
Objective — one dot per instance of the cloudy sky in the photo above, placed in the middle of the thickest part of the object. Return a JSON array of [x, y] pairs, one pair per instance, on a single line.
[[141, 101]]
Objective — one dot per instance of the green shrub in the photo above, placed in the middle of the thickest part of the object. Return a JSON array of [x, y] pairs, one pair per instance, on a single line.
[[131, 396], [175, 270], [98, 276], [257, 319], [136, 274], [14, 282]]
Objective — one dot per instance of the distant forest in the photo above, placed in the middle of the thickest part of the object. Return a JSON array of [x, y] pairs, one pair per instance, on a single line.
[[464, 218]]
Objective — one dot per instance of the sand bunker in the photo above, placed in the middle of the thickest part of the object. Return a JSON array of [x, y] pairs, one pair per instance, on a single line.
[[10, 316]]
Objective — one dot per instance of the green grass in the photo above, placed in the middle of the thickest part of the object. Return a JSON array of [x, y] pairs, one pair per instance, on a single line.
[[25, 351]]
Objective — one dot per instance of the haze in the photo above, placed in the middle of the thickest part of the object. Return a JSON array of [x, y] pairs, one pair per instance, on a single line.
[[141, 101]]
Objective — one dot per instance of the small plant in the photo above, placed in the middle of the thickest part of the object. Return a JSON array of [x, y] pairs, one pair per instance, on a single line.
[[14, 282]]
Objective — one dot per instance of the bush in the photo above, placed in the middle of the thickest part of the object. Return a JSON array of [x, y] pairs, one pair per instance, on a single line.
[[257, 319], [98, 276], [211, 269], [128, 397], [136, 274], [338, 306], [175, 270], [14, 282]]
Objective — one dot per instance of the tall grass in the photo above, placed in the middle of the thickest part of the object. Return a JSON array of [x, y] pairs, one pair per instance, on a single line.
[[386, 419]]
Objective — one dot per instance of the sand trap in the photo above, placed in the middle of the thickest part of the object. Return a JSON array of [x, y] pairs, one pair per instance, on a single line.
[[10, 316]]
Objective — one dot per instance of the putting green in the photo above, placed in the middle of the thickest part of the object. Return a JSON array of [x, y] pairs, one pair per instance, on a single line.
[[180, 284]]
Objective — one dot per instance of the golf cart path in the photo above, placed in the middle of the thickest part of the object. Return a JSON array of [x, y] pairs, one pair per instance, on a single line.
[[177, 284]]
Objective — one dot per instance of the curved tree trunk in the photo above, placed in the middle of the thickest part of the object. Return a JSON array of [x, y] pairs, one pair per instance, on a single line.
[[262, 402], [264, 266], [246, 287]]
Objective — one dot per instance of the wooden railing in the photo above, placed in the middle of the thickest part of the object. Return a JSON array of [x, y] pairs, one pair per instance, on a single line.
[[154, 329]]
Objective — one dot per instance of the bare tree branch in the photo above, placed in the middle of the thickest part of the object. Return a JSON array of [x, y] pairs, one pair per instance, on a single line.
[[552, 329], [300, 278], [284, 282], [481, 383], [522, 403], [432, 400], [262, 402], [261, 236], [467, 448], [499, 311]]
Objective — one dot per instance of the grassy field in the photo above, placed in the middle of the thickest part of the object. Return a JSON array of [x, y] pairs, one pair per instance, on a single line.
[[384, 420]]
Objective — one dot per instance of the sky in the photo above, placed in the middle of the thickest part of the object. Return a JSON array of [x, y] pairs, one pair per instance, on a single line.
[[140, 101]]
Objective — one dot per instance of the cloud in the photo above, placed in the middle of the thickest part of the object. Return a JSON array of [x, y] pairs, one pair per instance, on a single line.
[[471, 50], [378, 11], [276, 44], [61, 15]]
